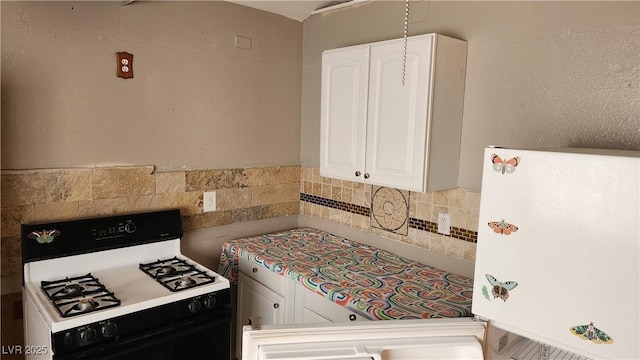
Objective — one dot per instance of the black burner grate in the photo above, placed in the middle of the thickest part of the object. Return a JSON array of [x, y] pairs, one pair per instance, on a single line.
[[176, 274], [78, 295]]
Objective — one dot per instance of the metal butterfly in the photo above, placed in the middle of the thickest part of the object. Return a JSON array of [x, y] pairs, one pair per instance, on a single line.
[[503, 166], [502, 227], [501, 289], [590, 332], [44, 236]]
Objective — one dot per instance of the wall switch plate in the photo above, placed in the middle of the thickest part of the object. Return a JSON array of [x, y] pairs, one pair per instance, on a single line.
[[209, 201], [243, 42], [444, 224]]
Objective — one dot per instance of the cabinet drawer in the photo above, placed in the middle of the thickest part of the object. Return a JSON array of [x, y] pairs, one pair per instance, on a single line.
[[327, 309], [266, 277]]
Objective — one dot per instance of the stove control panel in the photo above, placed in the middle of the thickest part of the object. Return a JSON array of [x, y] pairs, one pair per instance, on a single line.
[[114, 230], [159, 319], [207, 301], [86, 335], [43, 241]]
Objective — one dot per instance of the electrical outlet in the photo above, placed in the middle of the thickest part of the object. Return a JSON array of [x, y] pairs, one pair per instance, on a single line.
[[125, 65], [444, 224], [209, 199]]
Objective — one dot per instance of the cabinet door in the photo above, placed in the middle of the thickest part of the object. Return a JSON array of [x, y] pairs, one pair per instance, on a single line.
[[343, 112], [397, 126], [318, 309], [311, 317], [257, 303]]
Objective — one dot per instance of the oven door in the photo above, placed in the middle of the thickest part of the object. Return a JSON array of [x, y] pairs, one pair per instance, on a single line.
[[206, 337]]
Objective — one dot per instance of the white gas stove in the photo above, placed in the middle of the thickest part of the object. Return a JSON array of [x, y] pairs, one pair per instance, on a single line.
[[119, 288]]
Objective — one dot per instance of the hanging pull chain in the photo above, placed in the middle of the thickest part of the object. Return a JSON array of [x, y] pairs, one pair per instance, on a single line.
[[404, 50]]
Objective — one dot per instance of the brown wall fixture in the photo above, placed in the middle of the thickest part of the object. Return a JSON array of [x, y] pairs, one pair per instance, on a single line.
[[125, 65]]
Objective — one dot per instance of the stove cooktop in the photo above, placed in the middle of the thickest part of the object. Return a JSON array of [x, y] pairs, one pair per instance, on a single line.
[[79, 295]]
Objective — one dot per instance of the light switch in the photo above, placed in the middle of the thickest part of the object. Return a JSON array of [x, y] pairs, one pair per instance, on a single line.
[[125, 65]]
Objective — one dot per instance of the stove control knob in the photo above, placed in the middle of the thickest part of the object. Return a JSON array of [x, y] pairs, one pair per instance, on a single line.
[[87, 334], [109, 329], [130, 227], [195, 305], [210, 301], [68, 340]]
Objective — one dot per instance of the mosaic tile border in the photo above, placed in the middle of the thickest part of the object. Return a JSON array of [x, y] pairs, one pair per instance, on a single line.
[[335, 204], [455, 232], [419, 224]]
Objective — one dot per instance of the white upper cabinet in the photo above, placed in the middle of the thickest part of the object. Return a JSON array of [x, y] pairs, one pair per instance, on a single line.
[[377, 130], [345, 79]]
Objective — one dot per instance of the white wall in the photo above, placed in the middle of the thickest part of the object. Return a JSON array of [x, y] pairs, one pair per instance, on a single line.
[[539, 74]]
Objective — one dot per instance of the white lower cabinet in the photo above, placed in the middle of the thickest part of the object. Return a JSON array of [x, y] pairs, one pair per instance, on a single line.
[[259, 305], [264, 297], [317, 309], [268, 298]]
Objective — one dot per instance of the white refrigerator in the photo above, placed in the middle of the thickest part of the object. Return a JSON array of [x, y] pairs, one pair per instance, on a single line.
[[557, 263]]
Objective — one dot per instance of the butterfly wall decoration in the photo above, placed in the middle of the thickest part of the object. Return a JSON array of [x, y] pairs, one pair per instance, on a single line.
[[485, 292], [501, 227], [501, 289], [44, 236], [504, 166], [592, 333]]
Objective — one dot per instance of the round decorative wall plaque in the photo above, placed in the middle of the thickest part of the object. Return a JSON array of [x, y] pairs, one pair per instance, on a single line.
[[390, 209]]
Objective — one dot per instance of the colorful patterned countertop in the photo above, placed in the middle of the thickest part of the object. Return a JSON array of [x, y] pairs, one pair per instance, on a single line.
[[375, 283]]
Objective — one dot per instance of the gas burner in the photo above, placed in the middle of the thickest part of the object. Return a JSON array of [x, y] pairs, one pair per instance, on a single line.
[[176, 274], [165, 271], [78, 295], [85, 305], [72, 289], [184, 282]]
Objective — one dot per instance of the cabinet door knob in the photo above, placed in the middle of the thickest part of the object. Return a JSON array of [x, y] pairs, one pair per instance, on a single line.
[[276, 305], [366, 175], [358, 173], [352, 317], [255, 270]]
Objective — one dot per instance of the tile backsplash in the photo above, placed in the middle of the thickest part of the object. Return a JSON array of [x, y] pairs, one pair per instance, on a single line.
[[249, 194], [30, 196], [350, 203]]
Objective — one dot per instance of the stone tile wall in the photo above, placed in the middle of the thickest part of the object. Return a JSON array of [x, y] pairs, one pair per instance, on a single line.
[[242, 195], [60, 194]]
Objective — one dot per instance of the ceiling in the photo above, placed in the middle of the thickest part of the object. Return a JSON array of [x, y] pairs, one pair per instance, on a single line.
[[297, 10], [294, 9]]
